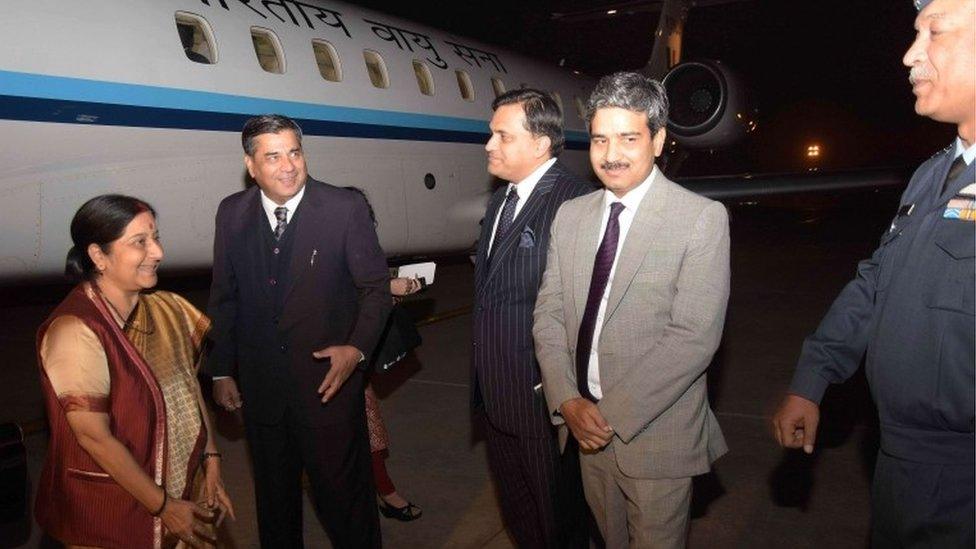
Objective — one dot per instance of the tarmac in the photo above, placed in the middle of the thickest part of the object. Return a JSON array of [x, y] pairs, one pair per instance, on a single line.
[[789, 259]]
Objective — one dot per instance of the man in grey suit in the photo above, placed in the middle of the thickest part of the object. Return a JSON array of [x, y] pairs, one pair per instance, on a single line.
[[629, 315], [531, 476]]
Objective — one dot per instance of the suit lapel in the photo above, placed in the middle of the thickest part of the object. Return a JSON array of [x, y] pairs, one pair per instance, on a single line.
[[647, 220], [481, 260], [508, 243], [304, 238], [588, 238], [253, 243]]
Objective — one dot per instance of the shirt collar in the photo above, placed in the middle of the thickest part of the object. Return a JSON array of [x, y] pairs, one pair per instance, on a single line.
[[525, 187], [967, 154], [632, 199], [292, 203]]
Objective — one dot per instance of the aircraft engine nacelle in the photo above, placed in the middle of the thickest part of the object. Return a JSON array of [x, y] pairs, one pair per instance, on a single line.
[[709, 107]]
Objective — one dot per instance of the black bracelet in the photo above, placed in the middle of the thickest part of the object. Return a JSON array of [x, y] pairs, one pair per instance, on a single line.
[[208, 455], [163, 506]]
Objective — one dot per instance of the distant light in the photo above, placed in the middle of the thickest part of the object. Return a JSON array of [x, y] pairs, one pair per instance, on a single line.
[[813, 151], [576, 72], [611, 12]]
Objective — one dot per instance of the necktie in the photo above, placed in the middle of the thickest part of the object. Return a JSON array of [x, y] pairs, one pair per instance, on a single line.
[[602, 264], [955, 170], [508, 214], [281, 214], [506, 219]]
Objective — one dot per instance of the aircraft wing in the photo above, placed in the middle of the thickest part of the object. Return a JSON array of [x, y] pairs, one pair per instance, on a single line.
[[745, 186]]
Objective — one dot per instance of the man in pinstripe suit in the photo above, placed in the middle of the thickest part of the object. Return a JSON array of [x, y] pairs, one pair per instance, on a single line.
[[531, 476]]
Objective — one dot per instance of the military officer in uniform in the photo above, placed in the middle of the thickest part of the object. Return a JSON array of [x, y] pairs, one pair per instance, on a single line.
[[910, 313]]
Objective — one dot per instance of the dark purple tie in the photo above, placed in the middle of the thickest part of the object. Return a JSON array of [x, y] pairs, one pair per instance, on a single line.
[[598, 284]]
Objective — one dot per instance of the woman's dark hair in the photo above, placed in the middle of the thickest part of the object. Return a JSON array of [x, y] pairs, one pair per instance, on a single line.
[[101, 220]]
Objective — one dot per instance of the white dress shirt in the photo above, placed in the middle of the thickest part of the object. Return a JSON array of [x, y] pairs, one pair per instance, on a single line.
[[291, 204], [631, 202], [524, 189]]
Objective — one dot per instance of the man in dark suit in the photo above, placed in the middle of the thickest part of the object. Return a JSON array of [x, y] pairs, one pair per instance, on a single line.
[[531, 476], [910, 312], [300, 294]]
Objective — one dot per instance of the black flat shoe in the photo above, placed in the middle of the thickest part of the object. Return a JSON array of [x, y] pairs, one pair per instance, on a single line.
[[403, 514]]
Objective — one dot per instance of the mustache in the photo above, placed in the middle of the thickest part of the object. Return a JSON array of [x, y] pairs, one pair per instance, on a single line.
[[919, 73], [614, 165]]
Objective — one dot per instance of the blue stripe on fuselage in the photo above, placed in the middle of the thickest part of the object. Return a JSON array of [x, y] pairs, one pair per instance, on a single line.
[[45, 98]]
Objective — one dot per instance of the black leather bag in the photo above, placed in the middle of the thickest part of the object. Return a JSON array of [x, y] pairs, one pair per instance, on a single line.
[[400, 336]]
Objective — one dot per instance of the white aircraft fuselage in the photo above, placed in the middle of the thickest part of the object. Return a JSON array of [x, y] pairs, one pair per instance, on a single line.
[[100, 97]]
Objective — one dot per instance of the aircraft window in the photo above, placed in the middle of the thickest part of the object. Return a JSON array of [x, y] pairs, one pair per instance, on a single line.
[[559, 100], [376, 69], [580, 110], [268, 50], [327, 59], [464, 84], [196, 38], [498, 85], [424, 80]]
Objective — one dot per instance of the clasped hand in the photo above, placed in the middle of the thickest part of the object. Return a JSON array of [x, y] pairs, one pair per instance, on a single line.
[[344, 359], [586, 423], [185, 520], [795, 423]]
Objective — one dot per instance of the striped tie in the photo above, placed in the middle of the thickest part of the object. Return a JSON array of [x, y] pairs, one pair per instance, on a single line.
[[281, 214]]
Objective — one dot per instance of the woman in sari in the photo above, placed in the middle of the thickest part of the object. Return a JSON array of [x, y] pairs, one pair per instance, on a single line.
[[132, 461]]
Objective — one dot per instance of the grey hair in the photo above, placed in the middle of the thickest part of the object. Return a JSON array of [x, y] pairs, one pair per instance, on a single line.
[[634, 92]]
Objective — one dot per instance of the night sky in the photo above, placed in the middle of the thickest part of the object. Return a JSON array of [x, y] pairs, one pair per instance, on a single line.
[[825, 72]]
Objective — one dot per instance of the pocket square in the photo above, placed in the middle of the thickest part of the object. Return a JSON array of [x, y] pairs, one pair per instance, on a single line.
[[527, 238]]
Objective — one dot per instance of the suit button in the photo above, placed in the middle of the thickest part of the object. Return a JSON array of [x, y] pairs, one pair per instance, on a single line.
[[276, 251], [274, 321], [284, 348], [273, 282], [481, 308]]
